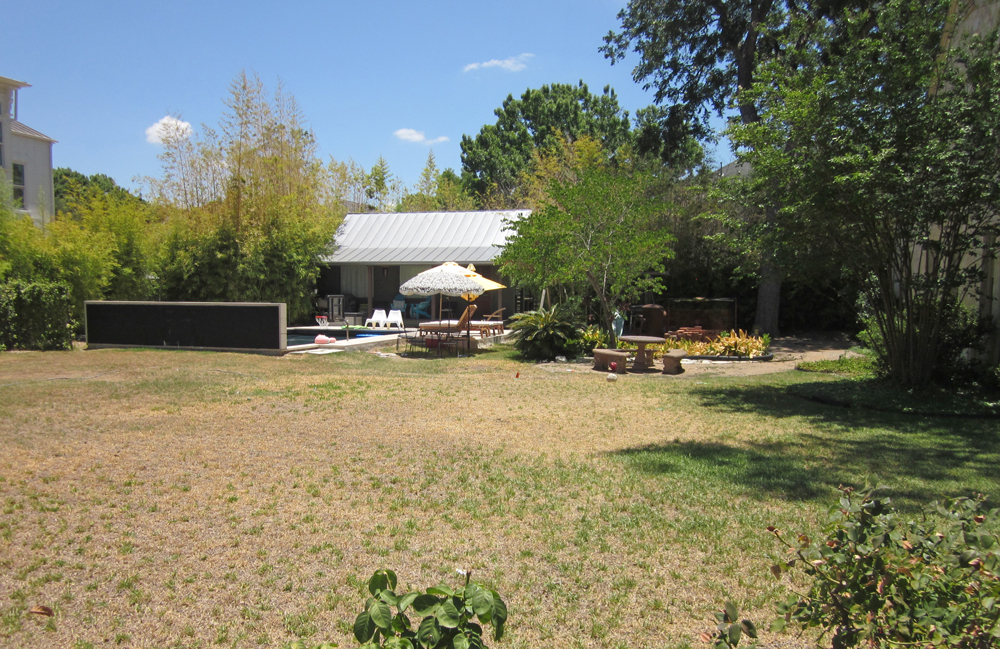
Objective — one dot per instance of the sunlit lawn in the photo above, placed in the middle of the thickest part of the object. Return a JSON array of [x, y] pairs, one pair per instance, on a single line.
[[194, 499]]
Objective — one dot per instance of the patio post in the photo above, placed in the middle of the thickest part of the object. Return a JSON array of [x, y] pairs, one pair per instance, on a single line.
[[371, 291]]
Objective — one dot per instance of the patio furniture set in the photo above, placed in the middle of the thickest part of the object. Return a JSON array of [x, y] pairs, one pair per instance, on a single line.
[[443, 335], [616, 360]]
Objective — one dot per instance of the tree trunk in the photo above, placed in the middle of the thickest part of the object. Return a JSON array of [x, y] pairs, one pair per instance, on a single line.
[[768, 299], [609, 318]]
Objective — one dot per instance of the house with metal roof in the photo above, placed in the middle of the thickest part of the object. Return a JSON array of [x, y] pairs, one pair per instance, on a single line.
[[376, 252], [25, 157]]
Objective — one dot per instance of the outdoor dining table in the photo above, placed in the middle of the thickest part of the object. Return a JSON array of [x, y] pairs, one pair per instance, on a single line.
[[643, 357]]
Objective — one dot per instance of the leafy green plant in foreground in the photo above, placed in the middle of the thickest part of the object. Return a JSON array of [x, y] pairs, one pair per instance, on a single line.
[[730, 629], [884, 581], [447, 614]]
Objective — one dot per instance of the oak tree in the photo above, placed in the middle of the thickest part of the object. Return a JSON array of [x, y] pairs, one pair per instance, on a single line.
[[495, 158]]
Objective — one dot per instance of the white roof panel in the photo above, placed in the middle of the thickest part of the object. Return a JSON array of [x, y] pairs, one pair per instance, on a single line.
[[422, 237]]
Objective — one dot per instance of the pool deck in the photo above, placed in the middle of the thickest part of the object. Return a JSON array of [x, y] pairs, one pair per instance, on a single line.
[[370, 342], [352, 345]]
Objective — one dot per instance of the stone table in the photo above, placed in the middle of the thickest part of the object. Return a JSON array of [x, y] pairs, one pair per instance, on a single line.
[[643, 357]]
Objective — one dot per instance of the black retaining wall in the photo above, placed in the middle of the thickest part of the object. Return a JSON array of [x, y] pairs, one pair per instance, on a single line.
[[223, 326]]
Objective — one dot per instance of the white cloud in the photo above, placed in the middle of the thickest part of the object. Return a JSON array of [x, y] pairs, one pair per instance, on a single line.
[[411, 135], [513, 64], [169, 125]]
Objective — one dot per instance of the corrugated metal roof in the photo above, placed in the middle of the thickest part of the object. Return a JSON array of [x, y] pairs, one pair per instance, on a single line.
[[422, 237], [17, 128]]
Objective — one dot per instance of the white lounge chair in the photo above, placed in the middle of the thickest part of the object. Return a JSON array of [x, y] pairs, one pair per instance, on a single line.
[[395, 319], [378, 319]]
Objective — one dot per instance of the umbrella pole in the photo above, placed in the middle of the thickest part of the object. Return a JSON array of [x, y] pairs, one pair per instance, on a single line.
[[468, 333]]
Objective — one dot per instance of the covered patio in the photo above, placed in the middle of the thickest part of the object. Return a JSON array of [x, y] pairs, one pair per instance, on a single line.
[[378, 252]]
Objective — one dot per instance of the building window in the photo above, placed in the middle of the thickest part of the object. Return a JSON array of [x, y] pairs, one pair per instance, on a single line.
[[18, 182]]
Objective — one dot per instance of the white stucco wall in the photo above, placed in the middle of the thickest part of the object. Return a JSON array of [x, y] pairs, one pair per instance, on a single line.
[[6, 103], [34, 153], [36, 156]]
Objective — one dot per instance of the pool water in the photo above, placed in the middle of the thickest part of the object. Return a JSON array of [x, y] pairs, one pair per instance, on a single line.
[[339, 334]]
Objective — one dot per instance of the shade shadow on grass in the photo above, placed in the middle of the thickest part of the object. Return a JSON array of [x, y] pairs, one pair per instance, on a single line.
[[921, 458], [761, 473]]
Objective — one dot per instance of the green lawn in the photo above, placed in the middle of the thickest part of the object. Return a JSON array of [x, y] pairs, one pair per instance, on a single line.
[[193, 499]]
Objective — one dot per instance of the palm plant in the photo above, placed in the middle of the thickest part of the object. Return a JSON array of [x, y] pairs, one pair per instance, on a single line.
[[546, 333]]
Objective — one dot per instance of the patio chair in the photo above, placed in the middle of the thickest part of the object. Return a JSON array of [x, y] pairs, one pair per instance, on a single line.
[[495, 320], [485, 328], [450, 327], [395, 319], [421, 309], [398, 303], [378, 319], [411, 341]]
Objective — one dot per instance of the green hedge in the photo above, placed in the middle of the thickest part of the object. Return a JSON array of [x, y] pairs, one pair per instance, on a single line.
[[35, 315]]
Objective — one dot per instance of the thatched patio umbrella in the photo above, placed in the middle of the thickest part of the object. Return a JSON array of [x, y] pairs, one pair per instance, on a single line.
[[441, 281], [438, 281]]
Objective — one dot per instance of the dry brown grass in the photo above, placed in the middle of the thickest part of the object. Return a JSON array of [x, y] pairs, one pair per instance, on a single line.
[[182, 499]]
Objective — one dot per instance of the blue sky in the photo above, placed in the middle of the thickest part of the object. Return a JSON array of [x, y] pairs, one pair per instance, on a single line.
[[102, 73]]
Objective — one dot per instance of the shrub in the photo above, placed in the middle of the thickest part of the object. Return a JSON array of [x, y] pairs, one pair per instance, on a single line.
[[546, 333], [64, 252], [963, 336], [883, 581], [591, 337], [35, 315], [729, 343], [447, 614]]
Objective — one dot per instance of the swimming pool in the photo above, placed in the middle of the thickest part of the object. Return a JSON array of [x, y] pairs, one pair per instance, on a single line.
[[307, 338]]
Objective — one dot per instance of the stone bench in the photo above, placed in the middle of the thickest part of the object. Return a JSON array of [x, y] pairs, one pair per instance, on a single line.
[[672, 361], [602, 358]]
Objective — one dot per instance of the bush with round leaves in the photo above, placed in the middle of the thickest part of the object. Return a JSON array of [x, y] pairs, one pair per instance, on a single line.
[[447, 616], [881, 579], [730, 629]]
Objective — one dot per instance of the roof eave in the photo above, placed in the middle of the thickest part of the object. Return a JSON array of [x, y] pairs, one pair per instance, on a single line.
[[28, 132], [14, 83]]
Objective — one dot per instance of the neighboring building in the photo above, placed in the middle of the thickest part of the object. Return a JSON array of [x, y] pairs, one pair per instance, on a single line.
[[377, 252], [25, 156], [981, 16]]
